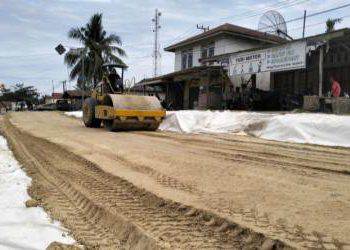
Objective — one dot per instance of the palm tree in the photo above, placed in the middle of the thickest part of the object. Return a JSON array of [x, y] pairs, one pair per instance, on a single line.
[[330, 23], [98, 48]]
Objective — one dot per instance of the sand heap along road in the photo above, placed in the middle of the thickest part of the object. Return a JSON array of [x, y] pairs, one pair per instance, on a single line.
[[166, 190]]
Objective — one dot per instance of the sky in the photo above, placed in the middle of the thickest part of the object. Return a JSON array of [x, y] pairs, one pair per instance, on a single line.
[[31, 29]]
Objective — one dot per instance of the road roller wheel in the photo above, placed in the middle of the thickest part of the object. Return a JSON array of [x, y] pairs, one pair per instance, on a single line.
[[108, 124], [153, 126], [89, 113]]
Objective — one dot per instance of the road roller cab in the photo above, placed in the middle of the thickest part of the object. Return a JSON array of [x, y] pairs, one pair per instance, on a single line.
[[116, 110]]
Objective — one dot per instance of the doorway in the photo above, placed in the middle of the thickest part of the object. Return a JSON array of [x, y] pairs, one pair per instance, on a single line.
[[193, 97]]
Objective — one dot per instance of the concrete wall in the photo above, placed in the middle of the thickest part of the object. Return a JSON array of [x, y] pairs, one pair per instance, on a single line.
[[230, 44], [263, 81], [223, 45], [196, 56], [177, 66]]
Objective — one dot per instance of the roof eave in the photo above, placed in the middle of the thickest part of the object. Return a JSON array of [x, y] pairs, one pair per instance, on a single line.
[[176, 46]]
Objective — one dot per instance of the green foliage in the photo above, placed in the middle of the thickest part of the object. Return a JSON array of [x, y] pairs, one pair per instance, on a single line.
[[98, 48], [20, 93], [330, 23]]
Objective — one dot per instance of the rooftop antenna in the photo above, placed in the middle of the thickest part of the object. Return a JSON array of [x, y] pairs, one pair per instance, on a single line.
[[272, 22], [156, 53], [201, 27]]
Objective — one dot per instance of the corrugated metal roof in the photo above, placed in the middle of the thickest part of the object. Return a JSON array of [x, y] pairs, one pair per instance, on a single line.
[[164, 78]]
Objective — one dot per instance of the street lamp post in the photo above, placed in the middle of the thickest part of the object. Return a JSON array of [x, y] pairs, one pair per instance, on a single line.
[[61, 50]]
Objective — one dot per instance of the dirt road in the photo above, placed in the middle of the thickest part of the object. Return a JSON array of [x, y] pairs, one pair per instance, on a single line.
[[150, 182]]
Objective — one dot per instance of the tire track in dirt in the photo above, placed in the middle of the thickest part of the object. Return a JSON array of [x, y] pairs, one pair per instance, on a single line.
[[105, 211], [249, 141], [160, 178], [60, 200], [267, 157]]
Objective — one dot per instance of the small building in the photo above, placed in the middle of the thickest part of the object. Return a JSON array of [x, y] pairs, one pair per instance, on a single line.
[[199, 84], [325, 55], [53, 98], [198, 87], [328, 54], [302, 69], [57, 96], [140, 89], [75, 98]]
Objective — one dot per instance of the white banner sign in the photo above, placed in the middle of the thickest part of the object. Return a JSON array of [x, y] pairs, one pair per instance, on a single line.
[[280, 58]]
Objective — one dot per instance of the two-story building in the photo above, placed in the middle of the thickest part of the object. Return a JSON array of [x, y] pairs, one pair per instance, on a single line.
[[196, 84]]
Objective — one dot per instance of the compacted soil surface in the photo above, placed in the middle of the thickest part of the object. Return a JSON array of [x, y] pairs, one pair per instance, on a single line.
[[149, 190]]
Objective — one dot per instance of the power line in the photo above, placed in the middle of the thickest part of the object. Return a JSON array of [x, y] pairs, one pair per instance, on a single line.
[[298, 28], [279, 5], [192, 33], [147, 56], [311, 15], [219, 47], [316, 24], [181, 35], [247, 12]]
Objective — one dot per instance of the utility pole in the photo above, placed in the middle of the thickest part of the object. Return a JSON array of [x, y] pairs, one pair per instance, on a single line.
[[320, 72], [156, 53], [64, 86], [83, 76], [201, 27], [304, 23]]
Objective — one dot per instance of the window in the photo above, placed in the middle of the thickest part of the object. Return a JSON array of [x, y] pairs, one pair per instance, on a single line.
[[183, 61], [211, 51], [187, 59], [204, 53], [208, 51]]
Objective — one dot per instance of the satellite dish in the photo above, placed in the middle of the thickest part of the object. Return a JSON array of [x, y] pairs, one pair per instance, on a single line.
[[272, 22]]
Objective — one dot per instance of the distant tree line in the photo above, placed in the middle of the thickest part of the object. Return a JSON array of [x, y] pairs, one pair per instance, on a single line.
[[19, 93]]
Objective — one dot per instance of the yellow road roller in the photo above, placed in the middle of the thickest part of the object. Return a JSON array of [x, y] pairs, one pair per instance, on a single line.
[[119, 111]]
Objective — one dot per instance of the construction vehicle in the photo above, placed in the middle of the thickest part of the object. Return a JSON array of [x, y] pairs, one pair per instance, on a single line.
[[119, 111]]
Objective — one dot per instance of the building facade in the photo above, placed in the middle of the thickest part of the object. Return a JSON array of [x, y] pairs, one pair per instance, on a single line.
[[198, 83], [318, 58], [222, 40], [238, 68]]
